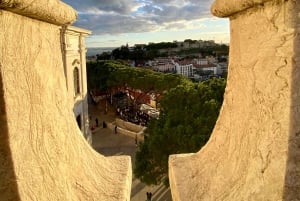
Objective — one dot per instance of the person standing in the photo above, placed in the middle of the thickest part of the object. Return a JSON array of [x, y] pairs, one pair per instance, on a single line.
[[149, 196], [136, 140], [97, 122], [116, 127]]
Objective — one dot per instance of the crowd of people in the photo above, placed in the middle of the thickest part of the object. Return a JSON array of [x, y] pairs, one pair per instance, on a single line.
[[136, 117], [127, 111]]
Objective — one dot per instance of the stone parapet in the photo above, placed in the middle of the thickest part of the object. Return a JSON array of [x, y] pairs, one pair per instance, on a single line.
[[254, 150]]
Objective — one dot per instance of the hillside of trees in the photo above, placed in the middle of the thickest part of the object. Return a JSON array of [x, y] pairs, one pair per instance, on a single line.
[[105, 75], [150, 51]]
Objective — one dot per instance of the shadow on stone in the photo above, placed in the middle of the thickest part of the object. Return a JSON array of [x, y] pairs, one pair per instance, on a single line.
[[165, 195], [8, 182], [135, 190], [292, 176]]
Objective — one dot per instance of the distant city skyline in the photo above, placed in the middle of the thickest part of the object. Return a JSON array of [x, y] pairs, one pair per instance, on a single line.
[[119, 22]]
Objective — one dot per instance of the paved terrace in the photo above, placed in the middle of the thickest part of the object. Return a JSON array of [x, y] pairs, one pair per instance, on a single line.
[[107, 143]]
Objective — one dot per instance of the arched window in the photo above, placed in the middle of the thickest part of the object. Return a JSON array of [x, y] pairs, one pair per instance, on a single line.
[[76, 81]]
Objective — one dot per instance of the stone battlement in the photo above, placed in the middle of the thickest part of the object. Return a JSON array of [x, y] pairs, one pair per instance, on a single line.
[[254, 150]]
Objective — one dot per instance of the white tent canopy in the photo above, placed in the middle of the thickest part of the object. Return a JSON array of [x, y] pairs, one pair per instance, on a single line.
[[152, 112]]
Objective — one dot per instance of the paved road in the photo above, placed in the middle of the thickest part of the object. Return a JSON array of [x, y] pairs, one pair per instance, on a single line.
[[107, 143]]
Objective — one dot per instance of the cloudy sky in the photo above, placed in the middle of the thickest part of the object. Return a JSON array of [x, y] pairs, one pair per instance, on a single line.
[[117, 22]]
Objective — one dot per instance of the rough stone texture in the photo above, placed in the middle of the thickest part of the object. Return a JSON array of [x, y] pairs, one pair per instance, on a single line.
[[254, 150], [43, 155], [223, 8], [52, 11]]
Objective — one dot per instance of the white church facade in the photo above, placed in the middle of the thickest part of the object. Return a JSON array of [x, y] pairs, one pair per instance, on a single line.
[[74, 55]]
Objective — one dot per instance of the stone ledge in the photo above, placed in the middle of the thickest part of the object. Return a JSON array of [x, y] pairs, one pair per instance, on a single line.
[[225, 8], [54, 12], [178, 174]]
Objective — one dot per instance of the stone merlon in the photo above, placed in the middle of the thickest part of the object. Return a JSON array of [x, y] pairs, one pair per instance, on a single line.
[[225, 8], [54, 11], [254, 150]]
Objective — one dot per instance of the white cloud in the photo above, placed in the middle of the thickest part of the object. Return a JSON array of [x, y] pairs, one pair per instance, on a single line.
[[115, 24], [135, 16], [118, 6]]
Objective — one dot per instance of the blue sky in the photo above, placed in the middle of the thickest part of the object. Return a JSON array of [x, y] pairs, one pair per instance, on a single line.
[[117, 22]]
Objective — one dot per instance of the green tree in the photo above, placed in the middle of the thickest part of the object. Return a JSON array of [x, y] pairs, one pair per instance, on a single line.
[[108, 74], [97, 76], [103, 56], [188, 115]]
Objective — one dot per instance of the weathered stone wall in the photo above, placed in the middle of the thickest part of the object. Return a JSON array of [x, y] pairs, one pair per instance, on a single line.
[[254, 152], [42, 153]]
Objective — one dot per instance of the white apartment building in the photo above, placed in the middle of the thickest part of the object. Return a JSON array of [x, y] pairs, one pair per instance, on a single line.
[[209, 67], [74, 54], [163, 64], [201, 61], [164, 67], [185, 69]]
